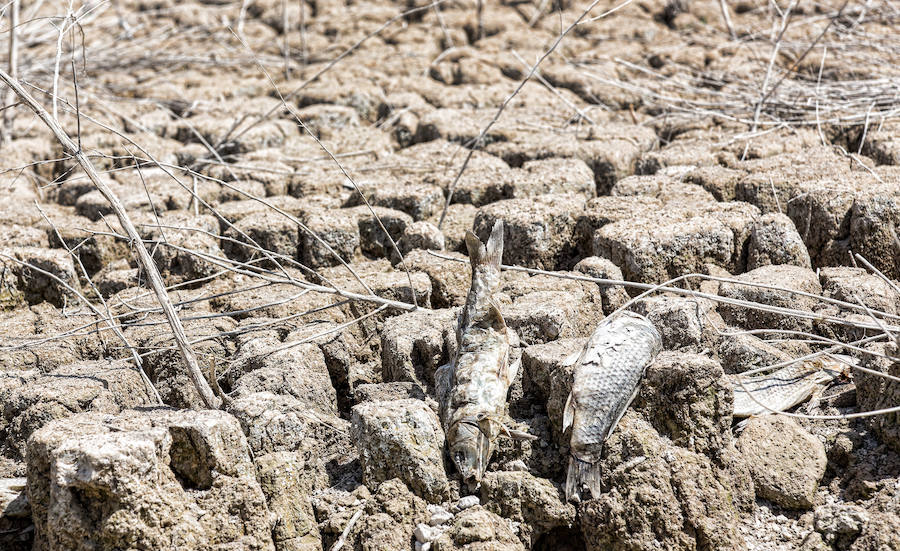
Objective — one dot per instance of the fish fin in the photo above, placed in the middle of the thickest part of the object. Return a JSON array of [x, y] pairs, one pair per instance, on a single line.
[[515, 434], [484, 425], [571, 359], [844, 363], [494, 246], [573, 490], [495, 311], [512, 370], [815, 398], [580, 474], [477, 252], [568, 413], [484, 455]]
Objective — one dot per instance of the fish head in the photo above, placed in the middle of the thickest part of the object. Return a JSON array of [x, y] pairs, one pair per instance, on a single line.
[[470, 449], [841, 366], [826, 371], [829, 374]]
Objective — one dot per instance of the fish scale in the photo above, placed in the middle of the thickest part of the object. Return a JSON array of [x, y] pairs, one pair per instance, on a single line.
[[608, 371], [787, 387]]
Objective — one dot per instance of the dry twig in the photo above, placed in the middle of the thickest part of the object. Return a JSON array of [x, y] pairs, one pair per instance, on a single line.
[[13, 70], [156, 282]]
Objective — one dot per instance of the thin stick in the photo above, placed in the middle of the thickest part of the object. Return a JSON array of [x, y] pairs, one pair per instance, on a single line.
[[156, 282], [815, 339], [875, 319], [77, 104], [343, 539], [285, 48], [775, 194], [763, 94], [84, 329], [243, 268], [878, 272], [806, 52], [194, 195], [167, 169], [862, 140], [727, 17], [59, 39], [479, 13], [556, 92], [13, 69], [819, 83], [346, 174], [242, 15], [833, 349], [115, 328], [539, 13], [448, 40], [327, 332], [230, 264], [303, 53]]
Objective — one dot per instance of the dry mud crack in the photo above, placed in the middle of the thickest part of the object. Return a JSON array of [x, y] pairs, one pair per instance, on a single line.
[[303, 173]]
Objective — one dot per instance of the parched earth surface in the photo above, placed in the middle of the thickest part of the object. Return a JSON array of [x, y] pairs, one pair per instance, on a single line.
[[261, 147]]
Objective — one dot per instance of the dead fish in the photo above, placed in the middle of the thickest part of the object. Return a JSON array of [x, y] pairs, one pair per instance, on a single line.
[[789, 386], [472, 388], [607, 372]]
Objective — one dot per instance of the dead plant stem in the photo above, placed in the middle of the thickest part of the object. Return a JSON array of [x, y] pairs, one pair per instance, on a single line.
[[146, 261], [13, 69]]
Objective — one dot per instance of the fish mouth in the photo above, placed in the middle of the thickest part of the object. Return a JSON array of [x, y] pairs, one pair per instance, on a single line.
[[472, 478], [470, 451], [469, 462]]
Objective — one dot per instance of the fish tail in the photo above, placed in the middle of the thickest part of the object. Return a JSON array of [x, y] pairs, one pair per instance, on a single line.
[[581, 474], [494, 246], [490, 254]]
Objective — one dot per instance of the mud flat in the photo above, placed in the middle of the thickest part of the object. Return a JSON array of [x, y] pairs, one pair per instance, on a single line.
[[296, 171]]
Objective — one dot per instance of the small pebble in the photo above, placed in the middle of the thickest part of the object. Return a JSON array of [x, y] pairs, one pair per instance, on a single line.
[[440, 516], [466, 502], [426, 534], [516, 465]]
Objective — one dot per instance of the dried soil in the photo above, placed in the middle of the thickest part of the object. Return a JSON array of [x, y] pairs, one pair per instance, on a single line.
[[262, 147]]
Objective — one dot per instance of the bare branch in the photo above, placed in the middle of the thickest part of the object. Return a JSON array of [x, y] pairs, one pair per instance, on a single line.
[[13, 70], [156, 282]]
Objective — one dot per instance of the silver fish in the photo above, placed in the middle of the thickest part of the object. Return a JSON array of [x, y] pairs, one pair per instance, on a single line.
[[787, 387], [472, 388], [607, 372]]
